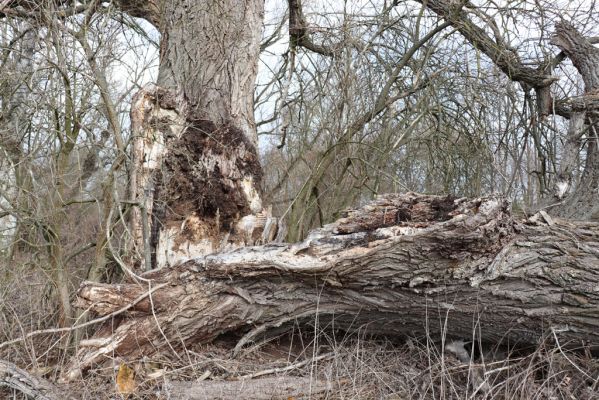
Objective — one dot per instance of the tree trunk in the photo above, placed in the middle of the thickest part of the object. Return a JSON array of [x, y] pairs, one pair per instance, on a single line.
[[405, 264], [580, 200], [196, 171]]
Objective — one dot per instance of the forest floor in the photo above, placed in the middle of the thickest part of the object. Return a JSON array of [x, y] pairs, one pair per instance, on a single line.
[[323, 365]]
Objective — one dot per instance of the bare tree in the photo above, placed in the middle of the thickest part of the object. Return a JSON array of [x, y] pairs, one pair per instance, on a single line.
[[61, 129]]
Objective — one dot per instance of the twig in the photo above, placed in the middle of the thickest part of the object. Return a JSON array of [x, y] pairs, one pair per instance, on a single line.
[[285, 369], [3, 4], [559, 347], [79, 251]]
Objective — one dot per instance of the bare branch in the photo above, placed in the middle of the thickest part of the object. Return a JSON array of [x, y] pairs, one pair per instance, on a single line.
[[300, 32]]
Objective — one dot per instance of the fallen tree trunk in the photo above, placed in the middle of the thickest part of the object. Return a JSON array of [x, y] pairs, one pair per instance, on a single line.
[[31, 386], [405, 264]]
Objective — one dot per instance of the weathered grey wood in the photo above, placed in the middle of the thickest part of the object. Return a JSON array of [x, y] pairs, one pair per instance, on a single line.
[[283, 387], [406, 264], [33, 387]]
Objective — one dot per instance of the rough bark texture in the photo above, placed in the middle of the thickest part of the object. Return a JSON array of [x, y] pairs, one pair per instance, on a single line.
[[579, 199], [196, 170], [33, 387], [583, 54], [210, 56], [406, 264]]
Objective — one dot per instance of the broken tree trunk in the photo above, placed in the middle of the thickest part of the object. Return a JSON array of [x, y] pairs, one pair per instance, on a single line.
[[405, 264], [196, 182], [195, 174]]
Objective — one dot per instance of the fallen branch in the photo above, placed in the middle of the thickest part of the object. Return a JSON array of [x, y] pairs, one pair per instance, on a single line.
[[284, 387], [288, 368], [33, 387], [85, 324]]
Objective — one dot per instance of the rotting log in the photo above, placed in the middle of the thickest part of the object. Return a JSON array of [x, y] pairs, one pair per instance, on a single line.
[[404, 264], [31, 386]]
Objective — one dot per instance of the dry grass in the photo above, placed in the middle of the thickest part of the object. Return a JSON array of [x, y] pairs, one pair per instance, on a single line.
[[365, 368]]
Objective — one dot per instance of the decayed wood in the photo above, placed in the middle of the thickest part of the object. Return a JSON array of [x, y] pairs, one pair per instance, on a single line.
[[405, 264], [195, 183], [195, 174], [284, 387], [33, 387]]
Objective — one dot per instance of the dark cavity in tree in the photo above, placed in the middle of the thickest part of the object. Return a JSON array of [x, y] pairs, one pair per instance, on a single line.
[[203, 173]]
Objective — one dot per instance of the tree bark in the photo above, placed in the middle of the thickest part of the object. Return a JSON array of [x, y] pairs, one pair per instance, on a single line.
[[405, 264], [33, 387], [579, 200], [196, 170]]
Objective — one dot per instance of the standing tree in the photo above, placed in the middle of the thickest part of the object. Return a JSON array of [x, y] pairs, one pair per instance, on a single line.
[[195, 165]]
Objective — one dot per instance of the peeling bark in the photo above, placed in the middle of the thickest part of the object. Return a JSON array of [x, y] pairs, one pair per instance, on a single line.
[[199, 181], [406, 264], [196, 169]]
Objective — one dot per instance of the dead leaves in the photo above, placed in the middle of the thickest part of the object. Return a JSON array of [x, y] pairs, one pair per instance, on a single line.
[[125, 380]]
